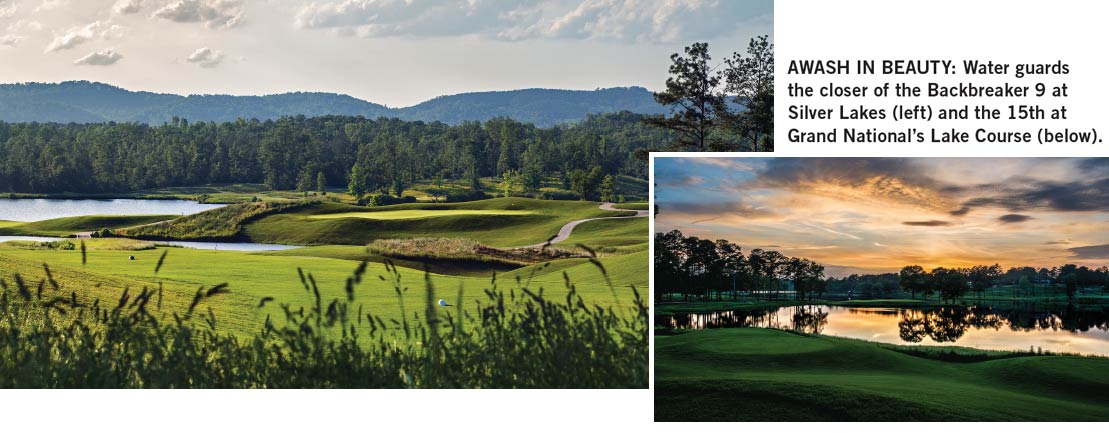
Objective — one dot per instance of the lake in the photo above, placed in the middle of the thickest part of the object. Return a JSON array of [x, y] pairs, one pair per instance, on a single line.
[[38, 209], [1061, 330]]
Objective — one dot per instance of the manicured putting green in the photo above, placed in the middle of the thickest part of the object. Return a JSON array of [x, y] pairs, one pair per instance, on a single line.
[[406, 214]]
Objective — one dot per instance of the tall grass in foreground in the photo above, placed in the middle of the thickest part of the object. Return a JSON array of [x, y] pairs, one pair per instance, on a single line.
[[515, 339]]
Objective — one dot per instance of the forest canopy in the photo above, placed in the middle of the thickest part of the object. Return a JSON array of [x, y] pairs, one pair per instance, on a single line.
[[284, 153]]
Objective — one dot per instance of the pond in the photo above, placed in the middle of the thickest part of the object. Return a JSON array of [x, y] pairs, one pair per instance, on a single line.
[[38, 209], [218, 246], [1021, 327]]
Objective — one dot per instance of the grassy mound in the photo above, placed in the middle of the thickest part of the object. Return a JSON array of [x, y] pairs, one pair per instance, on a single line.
[[61, 227], [304, 226], [223, 223], [455, 249], [751, 374]]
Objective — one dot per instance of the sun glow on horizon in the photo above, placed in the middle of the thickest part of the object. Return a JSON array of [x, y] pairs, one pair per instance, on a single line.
[[880, 214]]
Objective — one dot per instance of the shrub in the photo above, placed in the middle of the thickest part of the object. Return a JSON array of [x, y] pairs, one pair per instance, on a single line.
[[463, 196], [559, 195], [384, 200]]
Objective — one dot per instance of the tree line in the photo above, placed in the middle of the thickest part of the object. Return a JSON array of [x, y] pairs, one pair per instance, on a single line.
[[304, 153], [703, 269], [721, 107], [954, 283], [691, 268]]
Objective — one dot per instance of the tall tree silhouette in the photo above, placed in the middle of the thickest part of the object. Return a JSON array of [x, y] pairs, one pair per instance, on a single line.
[[694, 95]]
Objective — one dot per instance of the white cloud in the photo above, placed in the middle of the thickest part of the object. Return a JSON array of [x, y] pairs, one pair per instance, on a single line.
[[206, 57], [124, 7], [99, 58], [79, 35], [10, 40], [7, 8], [26, 25], [74, 37], [47, 5], [216, 14], [611, 20], [113, 32]]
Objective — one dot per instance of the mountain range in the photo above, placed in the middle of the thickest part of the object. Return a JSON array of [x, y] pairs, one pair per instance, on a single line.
[[90, 102]]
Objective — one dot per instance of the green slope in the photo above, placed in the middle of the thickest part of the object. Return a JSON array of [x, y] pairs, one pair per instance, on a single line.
[[310, 226], [754, 374], [71, 225]]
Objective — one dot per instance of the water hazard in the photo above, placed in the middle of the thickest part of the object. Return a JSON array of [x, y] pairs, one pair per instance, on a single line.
[[38, 209], [1021, 327]]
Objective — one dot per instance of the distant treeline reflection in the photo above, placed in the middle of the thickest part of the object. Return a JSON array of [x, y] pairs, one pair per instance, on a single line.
[[941, 324]]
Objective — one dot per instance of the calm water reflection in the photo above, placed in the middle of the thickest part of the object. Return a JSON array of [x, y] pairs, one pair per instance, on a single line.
[[1058, 330], [39, 209]]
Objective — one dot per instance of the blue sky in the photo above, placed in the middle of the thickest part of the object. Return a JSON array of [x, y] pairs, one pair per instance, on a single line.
[[395, 52]]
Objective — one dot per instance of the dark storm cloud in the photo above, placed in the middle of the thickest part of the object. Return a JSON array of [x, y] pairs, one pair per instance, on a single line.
[[1091, 252], [1094, 164], [1074, 196], [1013, 218], [930, 223]]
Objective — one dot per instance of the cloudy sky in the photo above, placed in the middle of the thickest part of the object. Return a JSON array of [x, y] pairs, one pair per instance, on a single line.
[[879, 214], [395, 52]]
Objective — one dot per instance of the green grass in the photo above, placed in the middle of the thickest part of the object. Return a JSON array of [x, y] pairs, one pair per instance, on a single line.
[[750, 374], [464, 268], [51, 337], [108, 244], [631, 206], [609, 235], [62, 227], [407, 214], [255, 276], [224, 223], [546, 217], [631, 188]]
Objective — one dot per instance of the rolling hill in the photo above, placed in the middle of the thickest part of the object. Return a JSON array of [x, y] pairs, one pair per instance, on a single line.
[[89, 102]]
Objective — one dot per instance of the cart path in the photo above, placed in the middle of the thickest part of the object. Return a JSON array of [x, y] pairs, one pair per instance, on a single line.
[[564, 233]]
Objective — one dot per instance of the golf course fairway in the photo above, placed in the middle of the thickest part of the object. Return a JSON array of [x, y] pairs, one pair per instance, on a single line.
[[753, 374], [252, 277]]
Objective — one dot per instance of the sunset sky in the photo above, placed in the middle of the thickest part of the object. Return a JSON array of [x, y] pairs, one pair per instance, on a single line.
[[879, 214], [394, 52]]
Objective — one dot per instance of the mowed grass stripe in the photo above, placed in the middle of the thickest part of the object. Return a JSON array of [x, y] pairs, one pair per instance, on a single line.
[[420, 213]]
